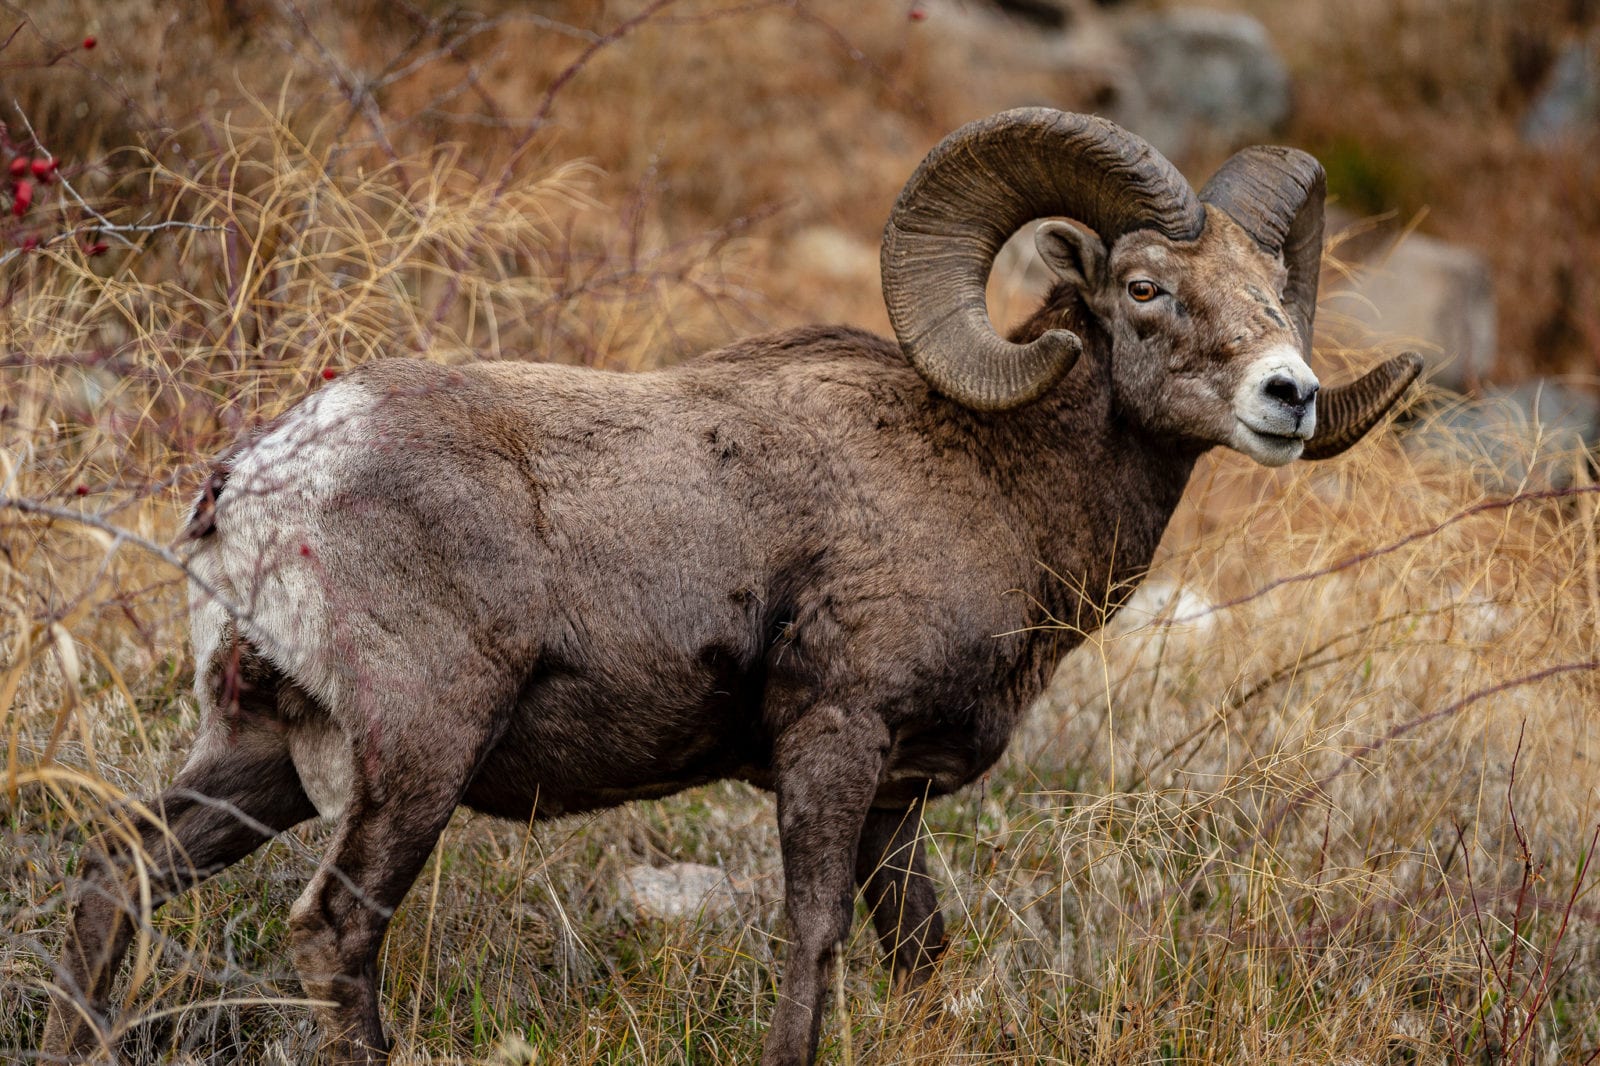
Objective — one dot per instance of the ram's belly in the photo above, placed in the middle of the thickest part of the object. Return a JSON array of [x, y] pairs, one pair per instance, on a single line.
[[926, 764], [575, 744]]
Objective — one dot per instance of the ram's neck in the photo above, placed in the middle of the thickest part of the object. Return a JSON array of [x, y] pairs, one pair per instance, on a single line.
[[1100, 491]]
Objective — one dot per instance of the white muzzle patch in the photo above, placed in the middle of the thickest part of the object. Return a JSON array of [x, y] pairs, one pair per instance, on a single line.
[[1269, 426]]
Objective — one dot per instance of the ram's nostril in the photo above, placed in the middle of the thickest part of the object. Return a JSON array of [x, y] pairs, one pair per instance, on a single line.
[[1286, 391]]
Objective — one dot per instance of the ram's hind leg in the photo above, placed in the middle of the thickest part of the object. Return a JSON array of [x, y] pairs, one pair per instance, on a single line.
[[899, 893], [238, 790], [411, 765]]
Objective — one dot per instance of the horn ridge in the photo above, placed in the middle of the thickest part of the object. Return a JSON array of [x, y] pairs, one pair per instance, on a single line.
[[1345, 413], [973, 191]]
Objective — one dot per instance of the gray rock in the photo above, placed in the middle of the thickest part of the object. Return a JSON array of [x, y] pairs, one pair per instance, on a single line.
[[1566, 416], [1165, 605], [1009, 62], [685, 890], [1205, 78], [1426, 294], [1567, 110], [1528, 438]]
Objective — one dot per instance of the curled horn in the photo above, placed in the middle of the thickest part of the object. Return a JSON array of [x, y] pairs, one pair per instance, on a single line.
[[977, 188], [1345, 413], [1276, 195]]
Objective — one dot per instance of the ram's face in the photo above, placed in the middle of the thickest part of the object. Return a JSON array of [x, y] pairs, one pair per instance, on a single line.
[[1202, 348]]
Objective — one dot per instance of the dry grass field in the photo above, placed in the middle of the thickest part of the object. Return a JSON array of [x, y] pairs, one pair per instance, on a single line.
[[1328, 791]]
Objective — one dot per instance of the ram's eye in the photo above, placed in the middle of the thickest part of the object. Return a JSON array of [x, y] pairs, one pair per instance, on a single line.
[[1143, 291]]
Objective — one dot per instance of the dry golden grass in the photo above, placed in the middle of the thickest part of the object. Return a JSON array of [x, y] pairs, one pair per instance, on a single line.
[[1325, 793]]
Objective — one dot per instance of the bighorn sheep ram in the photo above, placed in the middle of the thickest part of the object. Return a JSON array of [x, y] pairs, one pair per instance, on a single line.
[[814, 561]]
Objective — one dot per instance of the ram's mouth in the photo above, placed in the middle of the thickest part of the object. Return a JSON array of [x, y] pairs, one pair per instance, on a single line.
[[1284, 439], [1267, 448]]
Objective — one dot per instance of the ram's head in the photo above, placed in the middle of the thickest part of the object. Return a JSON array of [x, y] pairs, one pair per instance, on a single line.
[[1206, 302]]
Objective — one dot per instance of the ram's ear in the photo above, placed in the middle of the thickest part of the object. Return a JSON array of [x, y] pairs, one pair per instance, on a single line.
[[1073, 252]]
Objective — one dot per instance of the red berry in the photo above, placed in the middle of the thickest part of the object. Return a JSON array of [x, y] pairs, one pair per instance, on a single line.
[[89, 42], [83, 490], [329, 373], [44, 169], [22, 197], [96, 248], [305, 549], [19, 166], [30, 243]]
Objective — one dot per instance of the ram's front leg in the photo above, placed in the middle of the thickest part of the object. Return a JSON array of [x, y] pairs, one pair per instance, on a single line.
[[827, 768]]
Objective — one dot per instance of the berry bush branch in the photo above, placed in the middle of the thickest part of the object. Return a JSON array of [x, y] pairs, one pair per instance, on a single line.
[[98, 225]]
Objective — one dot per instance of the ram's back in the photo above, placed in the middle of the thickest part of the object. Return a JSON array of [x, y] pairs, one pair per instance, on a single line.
[[623, 562]]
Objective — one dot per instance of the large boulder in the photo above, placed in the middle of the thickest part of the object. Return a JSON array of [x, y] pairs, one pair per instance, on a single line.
[[1205, 80], [1533, 437], [1429, 295], [1056, 53], [1567, 109], [1186, 80]]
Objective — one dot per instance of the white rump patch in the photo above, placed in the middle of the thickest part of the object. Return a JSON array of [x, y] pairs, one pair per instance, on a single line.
[[270, 531]]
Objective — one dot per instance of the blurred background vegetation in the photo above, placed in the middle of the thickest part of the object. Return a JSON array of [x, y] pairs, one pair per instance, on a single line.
[[1327, 793]]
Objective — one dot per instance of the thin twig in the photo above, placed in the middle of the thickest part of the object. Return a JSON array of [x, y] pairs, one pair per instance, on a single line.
[[1300, 796], [1387, 549], [119, 536]]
